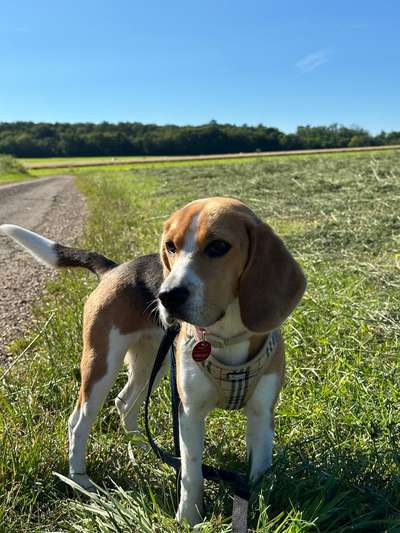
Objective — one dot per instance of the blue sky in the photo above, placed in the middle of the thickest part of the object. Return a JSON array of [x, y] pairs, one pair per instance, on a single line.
[[280, 63]]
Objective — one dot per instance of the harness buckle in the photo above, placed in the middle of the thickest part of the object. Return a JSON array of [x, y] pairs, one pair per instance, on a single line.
[[236, 376]]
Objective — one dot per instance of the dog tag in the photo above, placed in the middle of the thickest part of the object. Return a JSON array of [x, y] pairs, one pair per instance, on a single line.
[[201, 351]]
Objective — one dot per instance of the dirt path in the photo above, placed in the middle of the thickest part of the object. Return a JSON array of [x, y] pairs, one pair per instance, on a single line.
[[51, 206]]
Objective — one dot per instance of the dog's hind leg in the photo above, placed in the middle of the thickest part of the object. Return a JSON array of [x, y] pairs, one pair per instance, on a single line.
[[140, 359], [99, 368]]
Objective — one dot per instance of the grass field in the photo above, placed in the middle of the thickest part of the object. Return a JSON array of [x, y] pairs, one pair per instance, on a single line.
[[97, 159], [76, 162], [11, 170], [337, 453], [193, 163], [7, 178]]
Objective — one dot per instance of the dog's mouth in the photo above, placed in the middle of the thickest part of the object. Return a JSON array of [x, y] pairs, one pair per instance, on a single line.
[[170, 319]]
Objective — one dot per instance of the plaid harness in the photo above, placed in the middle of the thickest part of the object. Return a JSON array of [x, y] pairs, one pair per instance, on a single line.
[[236, 383]]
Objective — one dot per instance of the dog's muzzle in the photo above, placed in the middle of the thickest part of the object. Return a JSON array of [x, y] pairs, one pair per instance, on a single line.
[[174, 299]]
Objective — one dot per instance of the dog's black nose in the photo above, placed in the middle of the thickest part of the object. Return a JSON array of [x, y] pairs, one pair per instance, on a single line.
[[172, 299]]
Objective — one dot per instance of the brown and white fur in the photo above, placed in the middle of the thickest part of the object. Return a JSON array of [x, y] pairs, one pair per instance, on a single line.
[[220, 268]]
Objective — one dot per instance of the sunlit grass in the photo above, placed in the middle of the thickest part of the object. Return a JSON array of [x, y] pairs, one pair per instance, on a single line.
[[13, 178], [165, 164], [11, 170]]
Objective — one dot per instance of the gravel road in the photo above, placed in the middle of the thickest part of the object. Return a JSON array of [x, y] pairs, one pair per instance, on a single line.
[[51, 206]]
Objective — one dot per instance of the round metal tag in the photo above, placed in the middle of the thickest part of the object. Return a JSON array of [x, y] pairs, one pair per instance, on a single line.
[[201, 351]]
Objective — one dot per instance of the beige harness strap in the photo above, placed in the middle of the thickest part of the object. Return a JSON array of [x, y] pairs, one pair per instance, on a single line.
[[236, 383]]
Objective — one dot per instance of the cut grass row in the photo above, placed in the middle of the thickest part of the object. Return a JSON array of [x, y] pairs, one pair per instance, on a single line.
[[336, 459], [193, 163], [24, 174], [102, 161], [38, 161]]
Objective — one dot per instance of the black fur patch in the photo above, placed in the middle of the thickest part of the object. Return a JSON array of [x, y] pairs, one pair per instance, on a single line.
[[71, 257], [142, 278]]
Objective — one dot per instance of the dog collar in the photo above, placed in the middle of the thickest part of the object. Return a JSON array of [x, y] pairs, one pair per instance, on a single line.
[[220, 342]]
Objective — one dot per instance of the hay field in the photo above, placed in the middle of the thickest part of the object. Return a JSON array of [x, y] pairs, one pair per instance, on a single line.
[[337, 445]]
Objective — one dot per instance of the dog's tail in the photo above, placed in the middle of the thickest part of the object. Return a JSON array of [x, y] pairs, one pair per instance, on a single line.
[[56, 255]]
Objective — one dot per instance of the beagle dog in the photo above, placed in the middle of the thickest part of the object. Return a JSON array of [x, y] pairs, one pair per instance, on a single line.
[[230, 282]]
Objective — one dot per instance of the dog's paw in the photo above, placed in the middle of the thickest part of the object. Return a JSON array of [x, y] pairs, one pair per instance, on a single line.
[[130, 425], [190, 514], [84, 481]]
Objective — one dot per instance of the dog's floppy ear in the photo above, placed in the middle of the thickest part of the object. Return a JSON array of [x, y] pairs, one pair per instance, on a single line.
[[272, 282]]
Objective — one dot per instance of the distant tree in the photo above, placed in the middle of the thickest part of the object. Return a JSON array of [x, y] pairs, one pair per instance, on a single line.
[[393, 137], [29, 139], [360, 139]]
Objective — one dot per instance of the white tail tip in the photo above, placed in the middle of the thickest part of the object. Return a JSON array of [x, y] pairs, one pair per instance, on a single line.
[[42, 249]]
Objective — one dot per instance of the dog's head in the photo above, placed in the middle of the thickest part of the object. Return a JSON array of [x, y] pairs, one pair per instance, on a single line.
[[215, 250]]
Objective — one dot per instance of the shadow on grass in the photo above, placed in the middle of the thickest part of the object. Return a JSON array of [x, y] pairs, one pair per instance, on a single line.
[[340, 492], [337, 491]]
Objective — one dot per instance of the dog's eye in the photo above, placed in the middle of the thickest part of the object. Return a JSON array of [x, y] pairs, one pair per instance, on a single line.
[[170, 246], [217, 248]]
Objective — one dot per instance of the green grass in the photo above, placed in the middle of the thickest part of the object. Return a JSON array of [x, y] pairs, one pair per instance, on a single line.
[[11, 170], [193, 163], [336, 457], [99, 159], [13, 178]]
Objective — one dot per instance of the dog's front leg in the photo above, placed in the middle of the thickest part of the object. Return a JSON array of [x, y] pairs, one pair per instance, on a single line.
[[260, 425], [191, 425]]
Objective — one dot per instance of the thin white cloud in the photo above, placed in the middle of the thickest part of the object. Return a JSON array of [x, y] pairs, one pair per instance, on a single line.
[[11, 30], [312, 61]]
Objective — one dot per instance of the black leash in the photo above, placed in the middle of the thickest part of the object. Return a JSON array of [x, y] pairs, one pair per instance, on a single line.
[[237, 481], [175, 401]]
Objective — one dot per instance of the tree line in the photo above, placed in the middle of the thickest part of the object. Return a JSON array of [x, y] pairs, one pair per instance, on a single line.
[[30, 139]]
